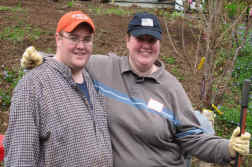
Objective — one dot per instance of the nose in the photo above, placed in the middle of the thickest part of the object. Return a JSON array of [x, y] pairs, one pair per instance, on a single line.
[[81, 44], [146, 44]]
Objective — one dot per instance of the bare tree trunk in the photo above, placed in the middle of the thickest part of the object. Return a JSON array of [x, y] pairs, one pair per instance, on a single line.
[[218, 38]]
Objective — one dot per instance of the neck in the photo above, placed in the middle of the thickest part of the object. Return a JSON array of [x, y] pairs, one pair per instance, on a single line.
[[77, 76], [149, 71], [76, 73]]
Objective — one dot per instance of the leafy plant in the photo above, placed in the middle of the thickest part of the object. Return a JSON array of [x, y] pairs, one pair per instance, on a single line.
[[116, 11], [10, 78], [163, 13], [13, 34], [11, 9], [175, 72], [19, 32], [176, 14], [232, 108], [98, 11], [70, 3], [168, 60], [234, 7], [110, 11], [5, 99], [243, 64], [232, 115]]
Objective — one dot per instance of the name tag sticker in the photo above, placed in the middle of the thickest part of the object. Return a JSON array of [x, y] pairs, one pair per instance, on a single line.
[[155, 105]]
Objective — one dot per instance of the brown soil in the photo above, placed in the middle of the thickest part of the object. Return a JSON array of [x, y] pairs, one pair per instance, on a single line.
[[110, 36]]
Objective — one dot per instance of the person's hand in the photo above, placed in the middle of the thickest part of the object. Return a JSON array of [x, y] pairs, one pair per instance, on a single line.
[[238, 143], [31, 58]]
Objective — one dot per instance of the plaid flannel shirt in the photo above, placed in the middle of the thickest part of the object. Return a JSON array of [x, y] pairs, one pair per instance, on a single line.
[[52, 124]]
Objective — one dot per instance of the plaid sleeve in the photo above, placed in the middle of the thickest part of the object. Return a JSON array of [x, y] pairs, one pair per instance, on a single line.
[[22, 137]]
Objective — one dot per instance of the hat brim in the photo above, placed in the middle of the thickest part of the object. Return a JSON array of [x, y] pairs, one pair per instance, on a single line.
[[155, 34]]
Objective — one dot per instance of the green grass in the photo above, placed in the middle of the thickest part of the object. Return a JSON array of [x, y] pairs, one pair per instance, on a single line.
[[176, 14], [116, 11], [164, 13], [242, 70], [70, 3], [20, 32], [231, 113], [233, 8], [110, 11], [50, 50], [243, 67], [11, 9], [121, 11], [231, 107], [175, 71], [10, 78], [168, 59]]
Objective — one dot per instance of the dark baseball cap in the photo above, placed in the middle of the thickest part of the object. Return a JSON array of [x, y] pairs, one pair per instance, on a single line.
[[145, 24]]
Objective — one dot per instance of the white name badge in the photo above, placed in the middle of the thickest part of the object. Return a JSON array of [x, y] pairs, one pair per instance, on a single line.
[[155, 105]]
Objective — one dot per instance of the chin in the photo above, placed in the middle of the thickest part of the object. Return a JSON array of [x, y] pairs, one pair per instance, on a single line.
[[77, 68], [79, 65], [145, 64]]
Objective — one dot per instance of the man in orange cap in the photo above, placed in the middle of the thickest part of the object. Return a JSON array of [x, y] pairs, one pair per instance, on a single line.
[[56, 115]]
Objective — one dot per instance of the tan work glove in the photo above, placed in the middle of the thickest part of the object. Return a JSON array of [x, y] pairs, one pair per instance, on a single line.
[[238, 143], [31, 58]]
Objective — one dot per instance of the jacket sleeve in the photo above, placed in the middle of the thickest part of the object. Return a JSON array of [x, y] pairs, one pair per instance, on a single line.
[[191, 136], [21, 141]]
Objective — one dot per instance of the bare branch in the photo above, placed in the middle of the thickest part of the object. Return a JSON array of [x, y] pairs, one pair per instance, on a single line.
[[170, 39]]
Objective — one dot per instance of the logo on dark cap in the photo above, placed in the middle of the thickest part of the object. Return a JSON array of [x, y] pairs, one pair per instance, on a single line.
[[145, 24]]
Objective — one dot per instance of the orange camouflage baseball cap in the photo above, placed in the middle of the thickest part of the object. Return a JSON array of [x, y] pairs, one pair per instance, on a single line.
[[71, 20]]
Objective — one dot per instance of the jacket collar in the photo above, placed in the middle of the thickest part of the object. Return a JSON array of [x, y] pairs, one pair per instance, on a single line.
[[126, 68]]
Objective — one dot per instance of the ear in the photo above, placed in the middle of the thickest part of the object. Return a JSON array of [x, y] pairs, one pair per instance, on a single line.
[[127, 38], [58, 38]]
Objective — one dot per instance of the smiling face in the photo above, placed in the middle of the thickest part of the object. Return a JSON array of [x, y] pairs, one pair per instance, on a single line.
[[143, 52], [75, 48]]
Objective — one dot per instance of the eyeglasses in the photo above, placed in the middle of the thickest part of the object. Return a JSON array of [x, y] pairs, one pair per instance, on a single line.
[[76, 40]]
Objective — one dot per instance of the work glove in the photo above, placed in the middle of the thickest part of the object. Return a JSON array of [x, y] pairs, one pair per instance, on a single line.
[[31, 58], [238, 143]]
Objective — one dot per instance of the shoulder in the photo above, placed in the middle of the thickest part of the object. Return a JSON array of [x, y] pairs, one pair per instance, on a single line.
[[46, 55], [34, 76], [98, 63], [169, 80], [172, 87], [101, 67], [102, 59]]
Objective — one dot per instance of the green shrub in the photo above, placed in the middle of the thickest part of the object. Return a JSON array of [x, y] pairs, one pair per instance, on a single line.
[[9, 78], [243, 66]]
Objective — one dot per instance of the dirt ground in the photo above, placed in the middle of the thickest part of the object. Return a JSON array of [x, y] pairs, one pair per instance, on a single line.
[[110, 34], [109, 37]]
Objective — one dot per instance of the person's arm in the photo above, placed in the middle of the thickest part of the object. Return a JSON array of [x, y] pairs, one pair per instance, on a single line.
[[21, 143], [206, 147]]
